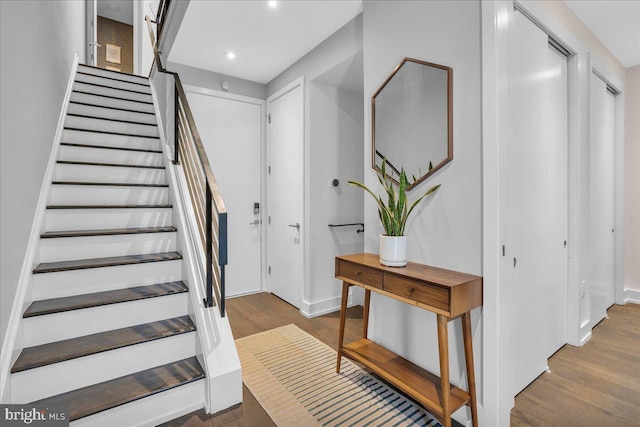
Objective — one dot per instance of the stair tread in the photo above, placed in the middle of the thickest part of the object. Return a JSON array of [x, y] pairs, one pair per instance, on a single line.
[[111, 108], [109, 206], [110, 147], [117, 165], [83, 73], [110, 394], [96, 299], [80, 264], [92, 67], [108, 184], [112, 97], [107, 232], [134, 135], [73, 348], [86, 116], [112, 87]]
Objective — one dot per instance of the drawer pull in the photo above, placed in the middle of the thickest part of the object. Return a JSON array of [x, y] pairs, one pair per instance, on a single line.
[[358, 273], [411, 290]]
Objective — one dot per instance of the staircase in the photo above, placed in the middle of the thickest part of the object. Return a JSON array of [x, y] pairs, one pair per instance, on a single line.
[[108, 333]]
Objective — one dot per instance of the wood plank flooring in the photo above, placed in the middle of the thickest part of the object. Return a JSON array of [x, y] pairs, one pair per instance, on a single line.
[[597, 384]]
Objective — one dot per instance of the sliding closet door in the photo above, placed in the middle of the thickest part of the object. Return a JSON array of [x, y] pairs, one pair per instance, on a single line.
[[534, 201], [601, 200]]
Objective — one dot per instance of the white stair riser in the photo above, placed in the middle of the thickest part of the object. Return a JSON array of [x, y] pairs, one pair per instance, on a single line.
[[93, 219], [86, 281], [109, 81], [152, 410], [107, 91], [70, 248], [114, 75], [93, 173], [110, 140], [107, 195], [110, 113], [77, 323], [110, 102], [111, 126], [106, 155], [77, 373]]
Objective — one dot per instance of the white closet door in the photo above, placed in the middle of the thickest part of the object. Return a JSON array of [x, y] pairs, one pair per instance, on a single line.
[[601, 200], [534, 201]]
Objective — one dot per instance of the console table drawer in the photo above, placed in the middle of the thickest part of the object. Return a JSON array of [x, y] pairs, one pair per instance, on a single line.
[[431, 295], [358, 273]]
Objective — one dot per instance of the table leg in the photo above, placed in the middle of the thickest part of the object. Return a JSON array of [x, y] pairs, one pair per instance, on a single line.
[[343, 318], [468, 355], [443, 347], [365, 314]]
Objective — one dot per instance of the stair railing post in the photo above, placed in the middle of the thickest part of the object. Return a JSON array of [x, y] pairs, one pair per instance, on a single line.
[[208, 302], [176, 145]]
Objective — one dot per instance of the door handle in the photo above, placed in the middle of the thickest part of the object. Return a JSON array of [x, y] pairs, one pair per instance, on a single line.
[[95, 44], [255, 222], [296, 225]]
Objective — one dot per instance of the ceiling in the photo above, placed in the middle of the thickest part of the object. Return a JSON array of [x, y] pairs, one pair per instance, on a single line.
[[266, 40], [117, 10], [616, 23]]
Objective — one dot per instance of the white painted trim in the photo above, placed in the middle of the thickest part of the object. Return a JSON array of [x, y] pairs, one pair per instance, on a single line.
[[262, 103], [11, 337], [585, 338], [306, 197], [631, 296], [325, 306]]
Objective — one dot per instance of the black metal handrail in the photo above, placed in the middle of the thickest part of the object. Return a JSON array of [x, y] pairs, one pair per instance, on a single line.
[[359, 224], [200, 179]]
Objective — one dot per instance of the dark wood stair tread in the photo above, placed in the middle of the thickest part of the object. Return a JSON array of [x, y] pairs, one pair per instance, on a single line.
[[110, 147], [111, 97], [108, 119], [111, 108], [134, 135], [96, 299], [80, 264], [73, 348], [109, 184], [107, 232], [112, 87], [110, 394], [117, 165], [109, 206], [112, 72]]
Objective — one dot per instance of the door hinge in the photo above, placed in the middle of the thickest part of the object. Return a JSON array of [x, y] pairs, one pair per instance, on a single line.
[[503, 250], [269, 269], [269, 219], [269, 118], [269, 169]]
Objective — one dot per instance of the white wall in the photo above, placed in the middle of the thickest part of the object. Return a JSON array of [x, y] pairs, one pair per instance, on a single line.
[[632, 185], [446, 231], [333, 149], [38, 41]]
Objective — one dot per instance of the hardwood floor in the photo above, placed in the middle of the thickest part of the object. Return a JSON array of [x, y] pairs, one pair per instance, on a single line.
[[597, 384]]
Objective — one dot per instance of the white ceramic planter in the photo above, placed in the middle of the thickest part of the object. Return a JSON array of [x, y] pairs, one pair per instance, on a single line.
[[393, 250]]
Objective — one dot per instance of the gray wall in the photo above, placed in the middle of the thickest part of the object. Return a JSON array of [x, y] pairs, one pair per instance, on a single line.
[[38, 40], [632, 184], [212, 80]]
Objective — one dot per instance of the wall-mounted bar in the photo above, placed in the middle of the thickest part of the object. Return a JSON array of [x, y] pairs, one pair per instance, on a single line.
[[359, 224]]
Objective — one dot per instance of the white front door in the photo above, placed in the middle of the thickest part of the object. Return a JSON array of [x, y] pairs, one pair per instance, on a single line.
[[601, 200], [534, 206], [231, 132], [285, 192]]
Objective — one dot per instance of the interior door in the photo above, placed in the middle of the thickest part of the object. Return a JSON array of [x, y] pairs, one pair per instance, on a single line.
[[601, 200], [285, 193], [231, 132], [534, 206], [92, 32]]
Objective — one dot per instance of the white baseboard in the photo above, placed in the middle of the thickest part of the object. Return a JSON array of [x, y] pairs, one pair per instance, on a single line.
[[318, 308], [584, 339], [631, 296], [9, 344]]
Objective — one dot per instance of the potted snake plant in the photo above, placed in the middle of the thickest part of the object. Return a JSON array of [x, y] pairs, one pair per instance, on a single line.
[[393, 215]]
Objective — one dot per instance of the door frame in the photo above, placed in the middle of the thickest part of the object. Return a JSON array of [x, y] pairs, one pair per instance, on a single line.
[[91, 25], [304, 233], [263, 176]]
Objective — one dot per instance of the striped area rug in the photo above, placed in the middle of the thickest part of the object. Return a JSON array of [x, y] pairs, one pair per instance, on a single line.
[[293, 376]]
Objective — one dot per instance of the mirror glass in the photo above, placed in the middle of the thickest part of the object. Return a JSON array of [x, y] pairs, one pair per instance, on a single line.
[[412, 120]]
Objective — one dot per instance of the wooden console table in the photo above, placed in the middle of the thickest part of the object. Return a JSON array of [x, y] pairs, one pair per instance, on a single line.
[[447, 293]]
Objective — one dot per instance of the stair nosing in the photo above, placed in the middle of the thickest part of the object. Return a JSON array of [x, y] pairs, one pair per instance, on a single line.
[[84, 116], [168, 206], [113, 71], [114, 79], [109, 299], [109, 184], [49, 267], [112, 133], [191, 327], [110, 147], [112, 87], [200, 374], [111, 108], [112, 97], [115, 165], [106, 232]]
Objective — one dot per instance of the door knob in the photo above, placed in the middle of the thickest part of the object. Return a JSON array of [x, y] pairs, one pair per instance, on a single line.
[[95, 44], [255, 222], [296, 225]]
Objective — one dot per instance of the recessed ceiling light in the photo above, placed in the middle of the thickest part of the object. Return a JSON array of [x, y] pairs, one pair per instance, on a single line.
[[272, 4], [230, 55]]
